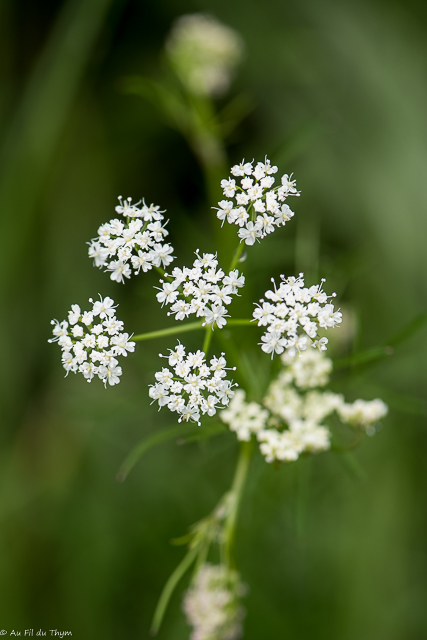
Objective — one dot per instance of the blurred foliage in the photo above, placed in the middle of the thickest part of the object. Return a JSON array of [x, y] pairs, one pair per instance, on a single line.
[[332, 547]]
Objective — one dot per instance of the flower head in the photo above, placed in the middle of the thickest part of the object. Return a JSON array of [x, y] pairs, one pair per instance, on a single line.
[[91, 340], [204, 53], [255, 205], [204, 290], [212, 606], [294, 316], [134, 245], [193, 387]]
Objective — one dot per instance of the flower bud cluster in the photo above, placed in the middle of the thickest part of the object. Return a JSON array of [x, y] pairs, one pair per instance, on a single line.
[[212, 606], [204, 53], [254, 206], [91, 340], [295, 310], [203, 290], [192, 387], [135, 244]]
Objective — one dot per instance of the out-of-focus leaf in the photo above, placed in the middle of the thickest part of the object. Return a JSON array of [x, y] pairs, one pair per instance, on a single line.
[[148, 443], [169, 101], [234, 112], [32, 138], [377, 353], [204, 434]]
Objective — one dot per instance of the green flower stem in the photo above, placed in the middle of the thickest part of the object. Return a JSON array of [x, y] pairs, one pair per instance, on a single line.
[[190, 326], [235, 497], [237, 254], [207, 340], [240, 322]]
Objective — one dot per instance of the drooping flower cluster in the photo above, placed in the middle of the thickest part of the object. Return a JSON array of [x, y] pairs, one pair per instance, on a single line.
[[203, 290], [294, 316], [204, 53], [193, 387], [253, 205], [289, 421], [134, 244], [212, 605], [92, 340]]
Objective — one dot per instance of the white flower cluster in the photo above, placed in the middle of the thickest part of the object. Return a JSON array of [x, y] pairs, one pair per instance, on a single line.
[[91, 340], [192, 387], [245, 418], [203, 290], [134, 244], [289, 421], [254, 206], [313, 370], [295, 310], [363, 414], [212, 605], [204, 53]]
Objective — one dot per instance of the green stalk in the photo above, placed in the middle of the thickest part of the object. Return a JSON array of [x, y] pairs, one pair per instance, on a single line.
[[191, 326], [236, 257], [207, 340], [235, 497]]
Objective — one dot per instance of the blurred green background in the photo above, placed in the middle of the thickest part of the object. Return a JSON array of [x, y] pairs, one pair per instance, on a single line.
[[332, 547]]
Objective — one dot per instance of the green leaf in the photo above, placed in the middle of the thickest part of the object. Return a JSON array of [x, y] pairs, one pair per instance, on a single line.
[[148, 443], [205, 433], [377, 353], [168, 100], [169, 588]]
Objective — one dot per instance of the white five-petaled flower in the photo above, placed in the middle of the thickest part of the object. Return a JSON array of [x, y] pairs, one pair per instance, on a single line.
[[255, 206], [91, 340], [203, 290], [194, 387], [128, 247], [294, 316]]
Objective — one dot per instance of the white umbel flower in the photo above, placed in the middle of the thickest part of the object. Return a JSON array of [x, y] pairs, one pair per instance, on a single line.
[[289, 421], [244, 418], [294, 316], [212, 606], [254, 205], [363, 414], [313, 370], [132, 246], [204, 53], [193, 387], [91, 340], [204, 291]]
